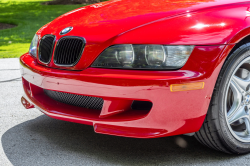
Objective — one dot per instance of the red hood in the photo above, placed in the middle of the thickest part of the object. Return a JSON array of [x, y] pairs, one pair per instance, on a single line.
[[100, 22]]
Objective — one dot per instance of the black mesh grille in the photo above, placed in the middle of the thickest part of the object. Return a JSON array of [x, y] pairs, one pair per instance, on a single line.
[[68, 51], [95, 103], [46, 48]]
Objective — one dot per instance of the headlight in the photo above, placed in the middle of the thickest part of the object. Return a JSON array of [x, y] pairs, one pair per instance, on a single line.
[[144, 57], [33, 46]]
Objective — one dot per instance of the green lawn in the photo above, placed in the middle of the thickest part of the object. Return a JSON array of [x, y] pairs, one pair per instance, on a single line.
[[29, 16]]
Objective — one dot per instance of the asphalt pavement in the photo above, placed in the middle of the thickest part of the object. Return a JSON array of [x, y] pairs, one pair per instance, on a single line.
[[29, 138]]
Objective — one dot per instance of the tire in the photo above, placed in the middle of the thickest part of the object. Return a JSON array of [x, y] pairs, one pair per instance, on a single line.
[[224, 129]]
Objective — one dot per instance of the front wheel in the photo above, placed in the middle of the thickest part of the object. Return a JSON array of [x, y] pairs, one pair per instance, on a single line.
[[227, 124]]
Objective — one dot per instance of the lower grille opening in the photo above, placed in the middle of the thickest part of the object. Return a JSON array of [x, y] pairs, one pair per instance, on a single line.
[[141, 105], [88, 102]]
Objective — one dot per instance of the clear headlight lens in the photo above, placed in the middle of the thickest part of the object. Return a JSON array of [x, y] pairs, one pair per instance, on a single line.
[[144, 57], [33, 46], [124, 54], [155, 55]]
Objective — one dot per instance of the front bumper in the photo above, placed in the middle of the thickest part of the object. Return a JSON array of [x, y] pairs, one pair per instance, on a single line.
[[173, 113]]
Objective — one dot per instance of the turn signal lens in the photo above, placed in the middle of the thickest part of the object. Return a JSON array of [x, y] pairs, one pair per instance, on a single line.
[[178, 55], [186, 87]]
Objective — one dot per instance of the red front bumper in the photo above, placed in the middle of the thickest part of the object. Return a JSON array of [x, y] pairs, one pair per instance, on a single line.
[[172, 113]]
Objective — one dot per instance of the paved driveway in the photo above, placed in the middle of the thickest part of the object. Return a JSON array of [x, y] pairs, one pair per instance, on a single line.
[[29, 138]]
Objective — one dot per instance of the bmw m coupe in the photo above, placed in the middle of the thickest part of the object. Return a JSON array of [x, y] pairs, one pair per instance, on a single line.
[[147, 69]]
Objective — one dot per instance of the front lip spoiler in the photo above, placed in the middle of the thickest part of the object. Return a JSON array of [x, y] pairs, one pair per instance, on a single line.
[[130, 132]]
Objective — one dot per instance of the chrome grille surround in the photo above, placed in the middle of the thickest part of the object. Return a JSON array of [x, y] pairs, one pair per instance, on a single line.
[[88, 102]]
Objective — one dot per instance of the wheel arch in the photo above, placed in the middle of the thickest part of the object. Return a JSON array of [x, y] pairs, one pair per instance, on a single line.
[[240, 39], [234, 43]]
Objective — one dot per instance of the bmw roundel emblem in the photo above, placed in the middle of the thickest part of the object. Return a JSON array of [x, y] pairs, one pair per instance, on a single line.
[[66, 30]]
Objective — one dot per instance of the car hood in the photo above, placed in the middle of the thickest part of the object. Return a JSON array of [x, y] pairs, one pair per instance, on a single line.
[[103, 21]]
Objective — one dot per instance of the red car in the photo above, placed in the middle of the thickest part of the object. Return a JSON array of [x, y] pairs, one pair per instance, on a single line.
[[147, 69]]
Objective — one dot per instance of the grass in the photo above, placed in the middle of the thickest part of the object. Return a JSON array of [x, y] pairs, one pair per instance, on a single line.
[[29, 16]]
